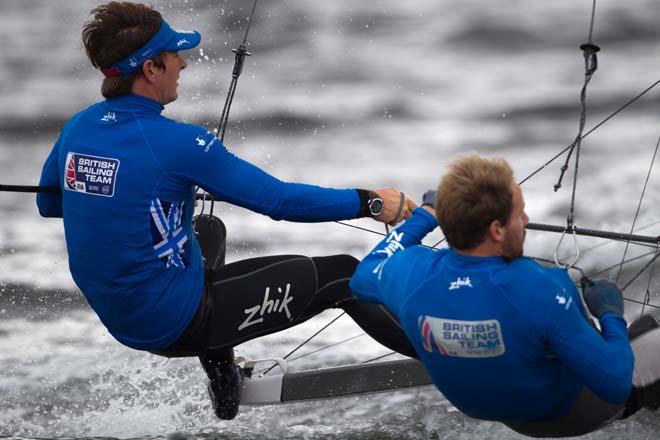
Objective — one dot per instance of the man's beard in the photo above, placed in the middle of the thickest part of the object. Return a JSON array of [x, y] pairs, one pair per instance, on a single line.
[[511, 251]]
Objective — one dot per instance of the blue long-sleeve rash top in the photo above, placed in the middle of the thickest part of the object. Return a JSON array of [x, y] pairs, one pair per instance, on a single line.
[[128, 177], [502, 340]]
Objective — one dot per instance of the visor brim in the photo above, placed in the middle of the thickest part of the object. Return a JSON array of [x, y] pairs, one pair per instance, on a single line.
[[183, 40]]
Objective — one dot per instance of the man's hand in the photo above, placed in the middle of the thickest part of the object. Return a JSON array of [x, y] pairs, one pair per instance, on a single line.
[[602, 296], [428, 201], [396, 207]]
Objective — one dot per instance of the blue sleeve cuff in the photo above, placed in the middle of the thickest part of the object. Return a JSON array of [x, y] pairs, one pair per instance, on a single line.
[[427, 216]]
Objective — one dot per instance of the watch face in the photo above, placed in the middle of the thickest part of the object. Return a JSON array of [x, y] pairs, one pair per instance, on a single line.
[[376, 206]]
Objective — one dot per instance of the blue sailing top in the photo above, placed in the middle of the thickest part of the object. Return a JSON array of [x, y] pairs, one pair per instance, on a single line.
[[502, 340], [128, 178]]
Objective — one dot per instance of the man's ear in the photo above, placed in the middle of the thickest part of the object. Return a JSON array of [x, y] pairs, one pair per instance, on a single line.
[[149, 70], [496, 231]]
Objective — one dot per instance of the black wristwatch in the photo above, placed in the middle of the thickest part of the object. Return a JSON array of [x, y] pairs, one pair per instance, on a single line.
[[371, 204], [375, 204]]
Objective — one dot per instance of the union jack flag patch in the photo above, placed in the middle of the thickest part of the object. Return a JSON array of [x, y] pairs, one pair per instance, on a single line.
[[167, 232]]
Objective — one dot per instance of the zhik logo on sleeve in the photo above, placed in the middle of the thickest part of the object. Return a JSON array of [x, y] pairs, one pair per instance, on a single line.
[[206, 141], [393, 245], [563, 301]]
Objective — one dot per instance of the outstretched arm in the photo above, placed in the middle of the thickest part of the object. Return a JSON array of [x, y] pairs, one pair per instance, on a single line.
[[234, 180]]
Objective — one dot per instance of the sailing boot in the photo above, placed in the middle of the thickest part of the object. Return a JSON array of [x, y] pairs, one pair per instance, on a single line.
[[225, 380]]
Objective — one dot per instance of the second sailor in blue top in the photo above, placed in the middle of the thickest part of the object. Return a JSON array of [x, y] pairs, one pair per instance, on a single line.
[[502, 337]]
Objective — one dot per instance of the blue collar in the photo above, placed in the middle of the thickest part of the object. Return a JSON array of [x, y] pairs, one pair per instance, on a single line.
[[135, 103]]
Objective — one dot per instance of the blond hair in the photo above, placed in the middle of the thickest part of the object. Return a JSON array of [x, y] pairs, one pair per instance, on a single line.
[[473, 193]]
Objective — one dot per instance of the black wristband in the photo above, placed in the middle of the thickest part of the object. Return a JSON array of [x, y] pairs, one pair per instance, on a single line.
[[364, 195]]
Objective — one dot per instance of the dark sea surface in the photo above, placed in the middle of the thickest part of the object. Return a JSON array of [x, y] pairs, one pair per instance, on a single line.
[[339, 93]]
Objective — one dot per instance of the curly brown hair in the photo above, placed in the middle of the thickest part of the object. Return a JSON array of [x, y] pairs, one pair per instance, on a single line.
[[116, 31]]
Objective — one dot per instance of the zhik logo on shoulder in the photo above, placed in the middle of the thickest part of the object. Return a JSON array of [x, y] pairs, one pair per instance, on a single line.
[[109, 117], [90, 174], [460, 282], [206, 143]]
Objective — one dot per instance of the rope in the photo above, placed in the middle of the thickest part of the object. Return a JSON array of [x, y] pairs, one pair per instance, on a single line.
[[590, 66]]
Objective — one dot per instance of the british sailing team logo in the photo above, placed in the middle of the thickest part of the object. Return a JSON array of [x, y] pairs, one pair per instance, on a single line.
[[459, 338], [90, 174]]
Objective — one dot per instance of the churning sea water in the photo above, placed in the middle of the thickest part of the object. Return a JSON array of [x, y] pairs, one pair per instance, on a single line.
[[338, 93]]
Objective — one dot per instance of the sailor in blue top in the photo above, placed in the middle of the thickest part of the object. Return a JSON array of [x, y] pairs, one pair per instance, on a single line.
[[128, 177], [502, 337]]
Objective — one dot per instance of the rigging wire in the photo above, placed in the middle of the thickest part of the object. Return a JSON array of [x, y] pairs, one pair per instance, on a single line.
[[379, 357], [591, 25], [343, 341], [307, 340], [630, 260], [647, 295], [641, 271], [605, 243], [639, 206], [361, 228], [597, 126], [239, 60]]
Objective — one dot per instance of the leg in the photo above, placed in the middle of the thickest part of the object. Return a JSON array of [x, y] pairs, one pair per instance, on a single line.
[[644, 335], [335, 273], [224, 377], [589, 413], [275, 293]]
